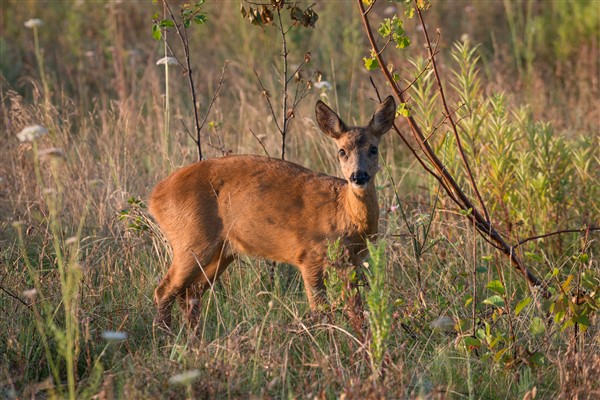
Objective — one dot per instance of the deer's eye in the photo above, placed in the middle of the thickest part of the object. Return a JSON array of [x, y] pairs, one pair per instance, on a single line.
[[374, 150], [342, 153]]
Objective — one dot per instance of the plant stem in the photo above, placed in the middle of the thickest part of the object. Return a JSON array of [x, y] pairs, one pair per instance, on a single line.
[[284, 115], [166, 150], [186, 49], [40, 60]]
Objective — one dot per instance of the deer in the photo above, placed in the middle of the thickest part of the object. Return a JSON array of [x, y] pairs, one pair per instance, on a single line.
[[217, 209]]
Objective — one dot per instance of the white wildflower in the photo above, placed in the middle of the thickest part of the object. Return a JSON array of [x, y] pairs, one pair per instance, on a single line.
[[52, 153], [31, 133], [323, 85], [33, 23], [442, 323], [30, 294], [184, 378], [167, 61], [464, 37], [114, 336]]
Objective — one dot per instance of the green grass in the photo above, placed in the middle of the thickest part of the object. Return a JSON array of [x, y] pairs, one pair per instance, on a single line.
[[76, 228]]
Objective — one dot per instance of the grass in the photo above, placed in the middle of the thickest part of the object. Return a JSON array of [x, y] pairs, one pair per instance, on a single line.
[[75, 228]]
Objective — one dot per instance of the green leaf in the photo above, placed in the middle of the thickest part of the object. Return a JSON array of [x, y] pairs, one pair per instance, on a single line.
[[538, 359], [534, 256], [522, 304], [481, 269], [402, 42], [468, 301], [497, 287], [166, 23], [568, 324], [156, 33], [200, 18], [480, 333], [465, 212], [371, 63], [385, 29], [393, 27], [471, 342], [403, 110], [537, 326], [583, 321], [494, 300], [566, 285]]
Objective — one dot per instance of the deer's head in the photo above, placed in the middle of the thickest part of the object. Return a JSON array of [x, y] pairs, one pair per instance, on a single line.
[[358, 147]]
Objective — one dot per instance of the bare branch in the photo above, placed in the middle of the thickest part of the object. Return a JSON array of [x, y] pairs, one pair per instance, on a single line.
[[215, 94], [560, 232], [260, 142], [185, 42], [267, 95], [449, 184], [449, 115]]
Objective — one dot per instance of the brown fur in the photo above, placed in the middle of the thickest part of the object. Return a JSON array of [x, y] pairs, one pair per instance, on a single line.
[[215, 209]]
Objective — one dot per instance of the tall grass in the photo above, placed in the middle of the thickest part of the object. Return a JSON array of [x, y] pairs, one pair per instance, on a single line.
[[460, 322]]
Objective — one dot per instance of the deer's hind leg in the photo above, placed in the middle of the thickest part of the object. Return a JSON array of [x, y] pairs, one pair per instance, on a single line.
[[185, 270], [181, 275], [190, 299]]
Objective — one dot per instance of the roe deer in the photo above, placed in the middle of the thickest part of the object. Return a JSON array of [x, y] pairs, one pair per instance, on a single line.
[[215, 209]]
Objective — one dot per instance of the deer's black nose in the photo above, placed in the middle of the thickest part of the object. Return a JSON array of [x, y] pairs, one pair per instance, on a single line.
[[360, 178]]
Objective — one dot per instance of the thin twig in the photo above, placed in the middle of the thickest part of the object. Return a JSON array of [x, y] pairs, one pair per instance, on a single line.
[[449, 115], [186, 49], [261, 143], [284, 113], [267, 95], [14, 296], [435, 128], [215, 94], [560, 232]]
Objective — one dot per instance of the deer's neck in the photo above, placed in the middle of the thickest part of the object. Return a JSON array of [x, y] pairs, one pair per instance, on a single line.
[[362, 208]]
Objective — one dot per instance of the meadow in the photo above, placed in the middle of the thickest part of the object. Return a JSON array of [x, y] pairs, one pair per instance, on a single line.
[[445, 313]]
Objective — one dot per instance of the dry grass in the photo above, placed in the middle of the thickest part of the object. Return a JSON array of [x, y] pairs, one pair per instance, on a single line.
[[105, 111]]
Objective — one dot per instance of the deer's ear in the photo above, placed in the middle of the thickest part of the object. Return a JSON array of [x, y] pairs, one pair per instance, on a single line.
[[328, 121], [384, 116]]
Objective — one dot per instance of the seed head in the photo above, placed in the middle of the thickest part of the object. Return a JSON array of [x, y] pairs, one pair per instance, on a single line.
[[33, 23], [32, 132]]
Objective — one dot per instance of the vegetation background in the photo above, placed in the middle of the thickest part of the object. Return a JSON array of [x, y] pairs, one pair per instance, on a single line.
[[80, 258]]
